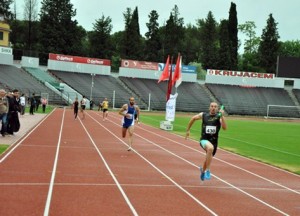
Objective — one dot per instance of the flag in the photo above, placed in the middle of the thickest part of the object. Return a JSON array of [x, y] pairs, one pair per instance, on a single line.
[[165, 74], [169, 84], [177, 77]]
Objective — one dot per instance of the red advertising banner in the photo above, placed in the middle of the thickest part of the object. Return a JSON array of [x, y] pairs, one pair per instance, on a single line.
[[77, 59], [240, 74], [139, 64]]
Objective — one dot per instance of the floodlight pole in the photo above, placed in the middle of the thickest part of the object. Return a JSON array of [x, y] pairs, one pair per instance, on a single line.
[[92, 86]]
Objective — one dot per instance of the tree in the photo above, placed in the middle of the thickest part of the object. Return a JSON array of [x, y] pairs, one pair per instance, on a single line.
[[233, 36], [251, 43], [31, 15], [191, 44], [133, 44], [5, 9], [209, 41], [174, 33], [224, 56], [59, 33], [290, 48], [269, 46], [152, 44], [249, 59], [100, 39]]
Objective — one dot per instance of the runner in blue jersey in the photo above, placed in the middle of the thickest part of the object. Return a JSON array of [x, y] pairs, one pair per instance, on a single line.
[[129, 111]]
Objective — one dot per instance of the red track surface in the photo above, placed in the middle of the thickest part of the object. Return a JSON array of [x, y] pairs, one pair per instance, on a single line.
[[74, 167]]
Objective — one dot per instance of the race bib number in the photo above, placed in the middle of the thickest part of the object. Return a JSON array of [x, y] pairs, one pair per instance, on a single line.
[[210, 129], [129, 116]]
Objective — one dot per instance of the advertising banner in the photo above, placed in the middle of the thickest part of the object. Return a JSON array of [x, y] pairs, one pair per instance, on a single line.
[[171, 108], [139, 64], [77, 59]]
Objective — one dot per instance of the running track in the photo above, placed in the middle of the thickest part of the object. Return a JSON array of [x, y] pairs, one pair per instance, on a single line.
[[67, 167]]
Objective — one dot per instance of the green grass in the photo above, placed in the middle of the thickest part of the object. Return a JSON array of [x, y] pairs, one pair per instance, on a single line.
[[272, 142], [3, 147]]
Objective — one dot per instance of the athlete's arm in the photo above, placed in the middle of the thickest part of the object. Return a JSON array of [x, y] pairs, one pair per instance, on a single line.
[[190, 124], [123, 108]]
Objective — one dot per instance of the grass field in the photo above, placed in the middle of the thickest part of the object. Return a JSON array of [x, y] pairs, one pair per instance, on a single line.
[[270, 141]]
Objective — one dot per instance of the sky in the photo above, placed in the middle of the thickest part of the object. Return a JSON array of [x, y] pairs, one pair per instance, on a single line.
[[285, 12]]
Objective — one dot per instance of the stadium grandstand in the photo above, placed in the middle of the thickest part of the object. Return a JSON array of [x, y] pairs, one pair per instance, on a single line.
[[242, 93]]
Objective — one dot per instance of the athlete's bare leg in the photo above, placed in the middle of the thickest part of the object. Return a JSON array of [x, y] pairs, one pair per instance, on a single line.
[[130, 133], [209, 148]]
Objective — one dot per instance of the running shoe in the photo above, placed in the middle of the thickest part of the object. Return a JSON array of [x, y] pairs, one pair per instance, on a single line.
[[202, 174], [207, 175]]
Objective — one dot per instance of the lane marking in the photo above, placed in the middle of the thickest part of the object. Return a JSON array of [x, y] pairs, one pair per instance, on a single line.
[[110, 171], [49, 196], [11, 150], [156, 168], [237, 188], [237, 167]]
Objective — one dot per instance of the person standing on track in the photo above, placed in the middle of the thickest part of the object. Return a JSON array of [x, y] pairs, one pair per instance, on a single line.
[[104, 106], [82, 106], [128, 111], [211, 125], [75, 107]]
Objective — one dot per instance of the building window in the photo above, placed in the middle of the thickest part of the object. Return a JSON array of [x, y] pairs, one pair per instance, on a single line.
[[1, 35]]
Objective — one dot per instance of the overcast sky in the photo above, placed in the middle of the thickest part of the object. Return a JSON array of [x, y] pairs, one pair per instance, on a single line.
[[285, 12]]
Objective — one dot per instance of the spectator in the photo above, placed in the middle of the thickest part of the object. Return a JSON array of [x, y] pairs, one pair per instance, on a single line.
[[32, 102], [13, 117], [22, 104], [44, 103], [3, 111]]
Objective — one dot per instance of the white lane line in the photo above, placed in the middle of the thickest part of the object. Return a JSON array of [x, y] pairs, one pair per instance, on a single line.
[[237, 188], [156, 168], [49, 196], [110, 171], [230, 164], [10, 151], [237, 155]]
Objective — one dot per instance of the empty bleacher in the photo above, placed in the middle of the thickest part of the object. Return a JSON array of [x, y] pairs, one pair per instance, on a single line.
[[250, 101], [16, 78], [192, 97], [104, 86]]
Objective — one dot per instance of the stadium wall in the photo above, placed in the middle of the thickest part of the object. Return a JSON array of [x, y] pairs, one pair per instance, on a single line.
[[152, 74], [30, 62], [250, 79], [78, 67], [153, 70], [6, 56]]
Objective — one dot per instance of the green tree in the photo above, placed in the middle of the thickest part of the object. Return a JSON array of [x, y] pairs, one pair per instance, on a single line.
[[209, 42], [233, 36], [174, 33], [5, 9], [249, 59], [133, 43], [30, 15], [59, 33], [100, 38], [269, 46], [191, 44], [224, 60], [152, 44], [290, 48]]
